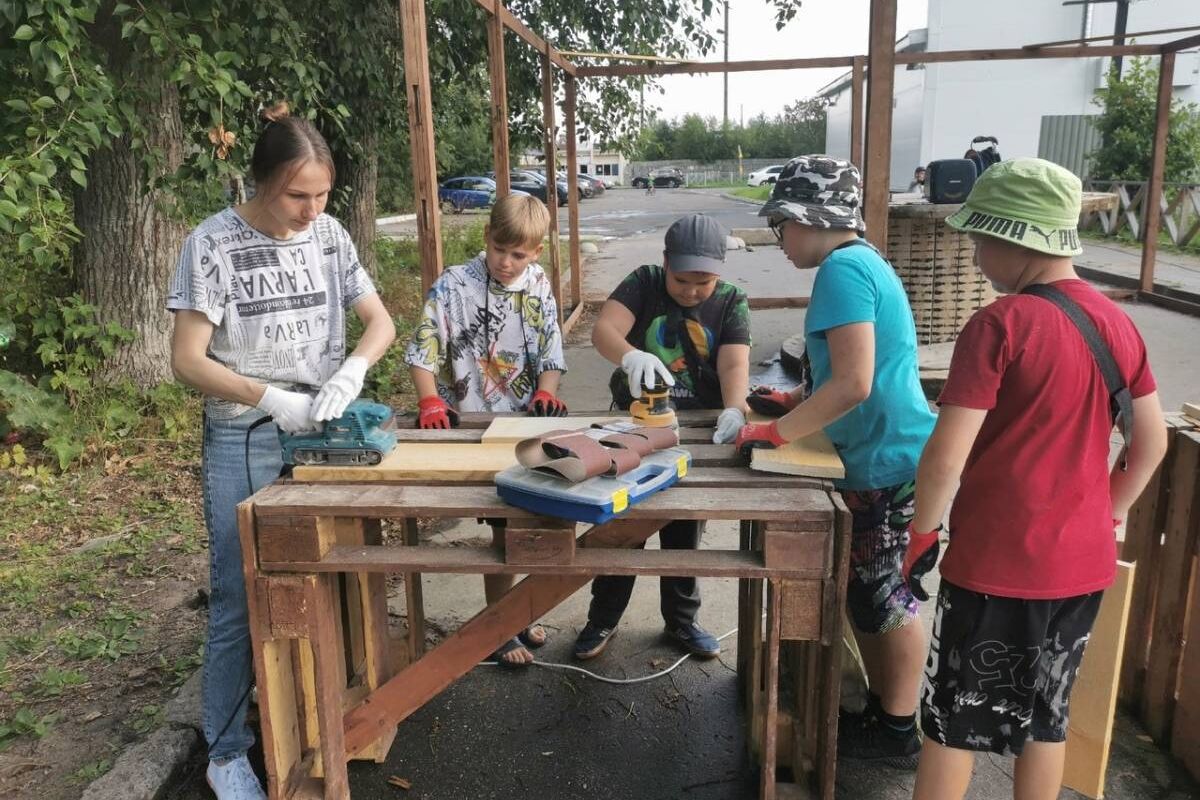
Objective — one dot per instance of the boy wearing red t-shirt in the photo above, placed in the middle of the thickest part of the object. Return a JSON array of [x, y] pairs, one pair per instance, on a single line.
[[1024, 433]]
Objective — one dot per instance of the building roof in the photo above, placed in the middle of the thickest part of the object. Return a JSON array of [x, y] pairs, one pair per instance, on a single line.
[[915, 41]]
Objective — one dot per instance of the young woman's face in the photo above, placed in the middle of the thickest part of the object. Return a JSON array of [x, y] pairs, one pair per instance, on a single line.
[[299, 201], [690, 288], [507, 262]]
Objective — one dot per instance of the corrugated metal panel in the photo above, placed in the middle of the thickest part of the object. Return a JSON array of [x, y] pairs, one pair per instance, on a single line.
[[1068, 140]]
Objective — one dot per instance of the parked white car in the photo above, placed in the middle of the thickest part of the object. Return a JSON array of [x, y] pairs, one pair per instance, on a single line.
[[764, 175]]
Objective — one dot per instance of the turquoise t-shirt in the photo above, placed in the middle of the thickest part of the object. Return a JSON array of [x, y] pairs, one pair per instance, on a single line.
[[880, 440]]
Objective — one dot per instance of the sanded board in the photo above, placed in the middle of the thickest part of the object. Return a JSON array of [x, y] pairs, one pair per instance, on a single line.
[[514, 429], [435, 461], [813, 456], [1094, 698], [1192, 412]]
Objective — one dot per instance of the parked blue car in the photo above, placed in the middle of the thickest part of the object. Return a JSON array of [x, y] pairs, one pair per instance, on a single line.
[[456, 195]]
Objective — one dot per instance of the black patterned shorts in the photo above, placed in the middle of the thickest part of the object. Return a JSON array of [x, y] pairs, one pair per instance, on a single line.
[[877, 596], [1000, 669]]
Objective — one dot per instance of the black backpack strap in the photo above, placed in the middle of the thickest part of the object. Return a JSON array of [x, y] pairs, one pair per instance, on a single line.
[[704, 376], [1120, 401]]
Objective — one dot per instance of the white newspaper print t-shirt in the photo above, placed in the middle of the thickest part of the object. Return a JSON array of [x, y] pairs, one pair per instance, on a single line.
[[278, 304]]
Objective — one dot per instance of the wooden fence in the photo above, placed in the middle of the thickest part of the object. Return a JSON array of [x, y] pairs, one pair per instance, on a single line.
[[1160, 673], [1180, 204]]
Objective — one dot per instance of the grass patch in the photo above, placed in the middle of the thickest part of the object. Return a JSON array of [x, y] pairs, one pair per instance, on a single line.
[[1164, 241], [759, 193]]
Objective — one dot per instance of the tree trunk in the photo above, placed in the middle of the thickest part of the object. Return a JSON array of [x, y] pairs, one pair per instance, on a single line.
[[130, 245], [359, 175]]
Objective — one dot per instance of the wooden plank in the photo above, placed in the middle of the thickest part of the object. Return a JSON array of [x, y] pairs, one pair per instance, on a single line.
[[1094, 697], [498, 80], [856, 111], [550, 147], [1185, 736], [302, 538], [488, 561], [544, 540], [703, 67], [877, 156], [329, 673], [800, 609], [482, 634], [414, 600], [788, 549], [1174, 583], [520, 29], [514, 429], [1158, 159], [1192, 412], [420, 137], [766, 789], [1142, 545], [576, 257], [1020, 54], [453, 461], [383, 501], [812, 456], [1110, 36]]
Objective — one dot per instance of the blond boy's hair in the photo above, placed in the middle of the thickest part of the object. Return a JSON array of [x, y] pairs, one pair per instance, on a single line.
[[519, 219]]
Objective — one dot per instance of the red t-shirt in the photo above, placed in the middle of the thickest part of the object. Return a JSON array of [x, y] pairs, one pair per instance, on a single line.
[[1033, 515]]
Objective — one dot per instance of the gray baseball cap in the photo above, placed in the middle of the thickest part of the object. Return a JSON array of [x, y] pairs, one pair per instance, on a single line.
[[695, 243]]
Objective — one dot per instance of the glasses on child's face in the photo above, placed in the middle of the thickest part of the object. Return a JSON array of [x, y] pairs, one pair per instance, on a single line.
[[776, 226]]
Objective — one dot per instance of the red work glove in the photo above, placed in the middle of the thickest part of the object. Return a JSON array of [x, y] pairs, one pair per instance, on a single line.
[[758, 434], [436, 413], [545, 404], [770, 401], [919, 558]]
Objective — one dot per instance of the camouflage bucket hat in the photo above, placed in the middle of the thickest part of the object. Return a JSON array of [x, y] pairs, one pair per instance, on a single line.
[[818, 191], [1026, 201]]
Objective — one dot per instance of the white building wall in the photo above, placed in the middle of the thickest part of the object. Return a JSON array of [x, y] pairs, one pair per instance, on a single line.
[[940, 108]]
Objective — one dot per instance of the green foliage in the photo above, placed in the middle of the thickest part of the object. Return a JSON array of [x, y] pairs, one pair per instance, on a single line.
[[53, 681], [24, 723], [1126, 127], [799, 129], [91, 771]]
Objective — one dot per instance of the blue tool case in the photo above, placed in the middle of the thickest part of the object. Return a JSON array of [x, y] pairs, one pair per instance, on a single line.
[[594, 500]]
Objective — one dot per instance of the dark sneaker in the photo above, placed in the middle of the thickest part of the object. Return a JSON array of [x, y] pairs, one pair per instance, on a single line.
[[869, 738], [592, 640], [695, 640]]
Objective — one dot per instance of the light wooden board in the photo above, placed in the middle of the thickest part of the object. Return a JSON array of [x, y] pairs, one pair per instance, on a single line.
[[1192, 412], [514, 429], [435, 461], [813, 456], [1094, 698]]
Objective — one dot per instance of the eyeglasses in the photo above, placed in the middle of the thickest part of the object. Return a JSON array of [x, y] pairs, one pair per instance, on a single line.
[[776, 226]]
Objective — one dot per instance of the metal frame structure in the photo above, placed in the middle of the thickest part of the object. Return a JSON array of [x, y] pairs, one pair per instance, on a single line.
[[870, 141]]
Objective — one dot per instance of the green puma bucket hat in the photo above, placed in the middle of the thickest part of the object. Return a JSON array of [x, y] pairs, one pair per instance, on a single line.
[[1026, 201]]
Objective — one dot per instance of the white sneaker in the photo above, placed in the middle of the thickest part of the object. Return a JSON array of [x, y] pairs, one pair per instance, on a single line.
[[234, 780]]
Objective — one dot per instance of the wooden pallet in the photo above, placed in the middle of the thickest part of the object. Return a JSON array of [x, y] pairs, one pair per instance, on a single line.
[[1162, 534]]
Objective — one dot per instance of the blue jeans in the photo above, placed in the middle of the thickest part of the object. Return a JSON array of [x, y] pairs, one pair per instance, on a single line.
[[228, 669]]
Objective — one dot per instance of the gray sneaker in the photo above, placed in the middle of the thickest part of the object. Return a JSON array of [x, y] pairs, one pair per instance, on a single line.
[[234, 780]]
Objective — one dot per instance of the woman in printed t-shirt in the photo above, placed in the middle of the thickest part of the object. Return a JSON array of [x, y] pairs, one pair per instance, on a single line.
[[260, 296]]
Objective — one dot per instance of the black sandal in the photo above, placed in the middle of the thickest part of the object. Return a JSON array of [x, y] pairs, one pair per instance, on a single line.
[[531, 643], [505, 649]]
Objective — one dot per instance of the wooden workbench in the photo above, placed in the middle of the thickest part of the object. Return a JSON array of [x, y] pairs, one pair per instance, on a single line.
[[315, 565]]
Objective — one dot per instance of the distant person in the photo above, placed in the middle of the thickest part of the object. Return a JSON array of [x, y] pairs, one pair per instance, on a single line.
[[918, 181], [489, 340], [1023, 437]]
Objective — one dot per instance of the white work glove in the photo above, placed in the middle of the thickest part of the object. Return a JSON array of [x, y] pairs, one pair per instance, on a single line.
[[641, 368], [340, 390], [290, 410], [728, 425]]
